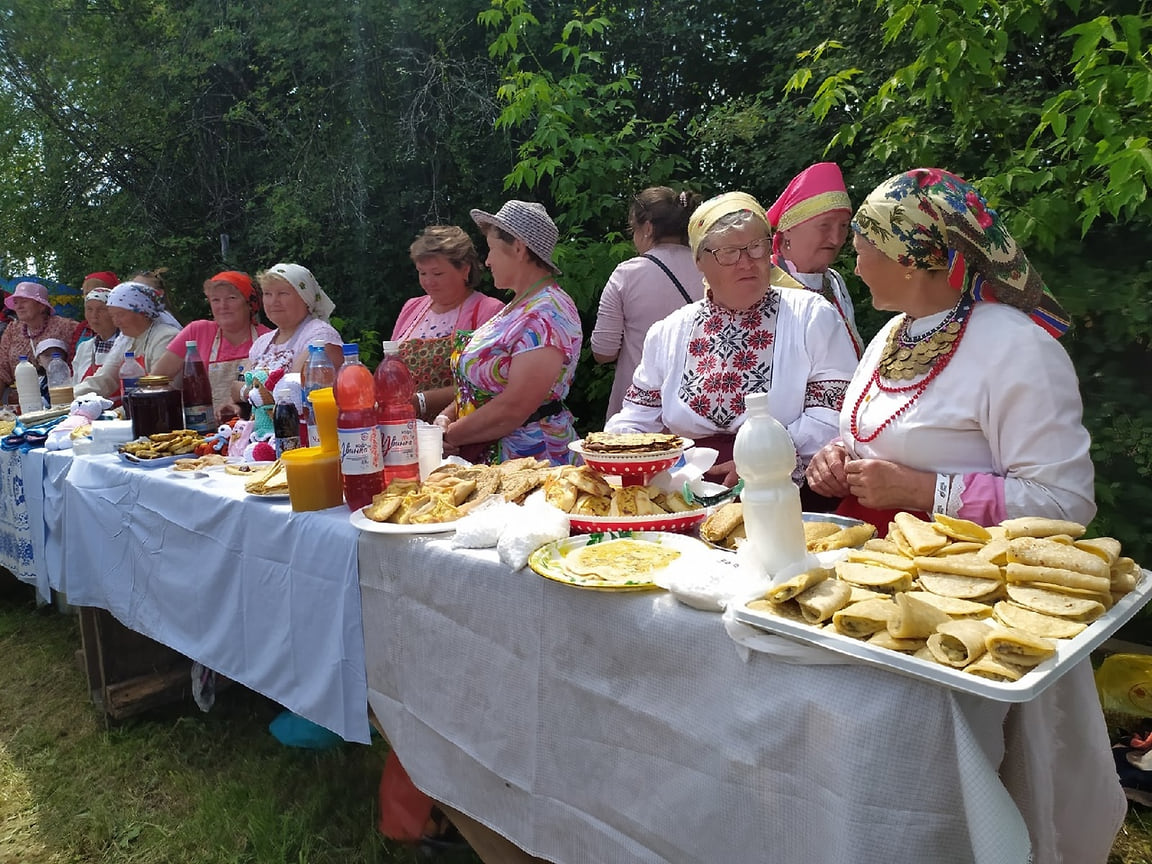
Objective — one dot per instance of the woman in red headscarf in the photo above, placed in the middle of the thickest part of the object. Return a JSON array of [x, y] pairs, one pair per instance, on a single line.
[[224, 341], [811, 219]]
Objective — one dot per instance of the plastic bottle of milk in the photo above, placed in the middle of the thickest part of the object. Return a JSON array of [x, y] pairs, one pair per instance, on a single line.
[[765, 459], [28, 386]]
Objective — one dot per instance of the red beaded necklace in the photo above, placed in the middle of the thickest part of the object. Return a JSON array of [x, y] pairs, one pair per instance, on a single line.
[[915, 389]]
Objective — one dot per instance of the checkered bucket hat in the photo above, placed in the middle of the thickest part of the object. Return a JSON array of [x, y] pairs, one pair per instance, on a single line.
[[529, 223]]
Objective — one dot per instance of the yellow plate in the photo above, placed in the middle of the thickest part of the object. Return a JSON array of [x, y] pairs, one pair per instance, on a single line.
[[548, 560]]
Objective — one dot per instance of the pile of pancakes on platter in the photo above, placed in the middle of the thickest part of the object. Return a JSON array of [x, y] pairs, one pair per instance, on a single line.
[[993, 602]]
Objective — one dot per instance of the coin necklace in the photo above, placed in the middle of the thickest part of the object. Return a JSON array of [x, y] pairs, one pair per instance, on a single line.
[[906, 357]]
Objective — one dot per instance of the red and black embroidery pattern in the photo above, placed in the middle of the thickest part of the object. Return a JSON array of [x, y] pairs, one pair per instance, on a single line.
[[825, 394], [729, 354], [647, 398]]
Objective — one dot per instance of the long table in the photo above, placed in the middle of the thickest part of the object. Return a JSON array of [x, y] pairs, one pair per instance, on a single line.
[[590, 727], [262, 595]]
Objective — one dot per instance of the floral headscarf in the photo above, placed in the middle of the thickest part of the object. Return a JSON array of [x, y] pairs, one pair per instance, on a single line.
[[932, 220], [319, 304], [712, 210], [137, 297]]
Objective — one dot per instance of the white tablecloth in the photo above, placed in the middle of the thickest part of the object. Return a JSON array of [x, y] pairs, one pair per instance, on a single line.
[[607, 727], [261, 594]]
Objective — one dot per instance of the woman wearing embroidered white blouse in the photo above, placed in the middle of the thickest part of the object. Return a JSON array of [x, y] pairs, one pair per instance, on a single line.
[[745, 336], [960, 407], [293, 301]]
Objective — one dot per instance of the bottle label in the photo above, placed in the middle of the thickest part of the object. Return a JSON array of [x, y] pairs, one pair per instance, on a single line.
[[360, 450], [199, 418], [398, 443], [284, 444]]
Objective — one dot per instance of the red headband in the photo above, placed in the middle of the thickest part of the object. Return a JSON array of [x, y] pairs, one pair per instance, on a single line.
[[242, 282], [109, 278]]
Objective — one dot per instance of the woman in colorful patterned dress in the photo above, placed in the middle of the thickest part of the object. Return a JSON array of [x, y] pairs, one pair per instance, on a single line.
[[449, 271], [516, 369], [745, 336]]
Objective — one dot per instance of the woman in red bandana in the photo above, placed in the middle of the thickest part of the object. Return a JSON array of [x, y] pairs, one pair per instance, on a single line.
[[224, 341]]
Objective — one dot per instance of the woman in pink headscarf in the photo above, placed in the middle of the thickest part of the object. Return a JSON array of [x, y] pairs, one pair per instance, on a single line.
[[811, 219]]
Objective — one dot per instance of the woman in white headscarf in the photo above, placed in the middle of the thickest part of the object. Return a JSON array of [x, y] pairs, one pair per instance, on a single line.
[[298, 306], [136, 310]]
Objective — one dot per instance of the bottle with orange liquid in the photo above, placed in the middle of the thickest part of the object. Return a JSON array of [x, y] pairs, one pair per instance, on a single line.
[[360, 459]]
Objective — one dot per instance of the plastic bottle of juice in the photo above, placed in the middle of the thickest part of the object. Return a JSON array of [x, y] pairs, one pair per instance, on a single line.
[[196, 390], [130, 374], [318, 373], [396, 416], [285, 418], [360, 459]]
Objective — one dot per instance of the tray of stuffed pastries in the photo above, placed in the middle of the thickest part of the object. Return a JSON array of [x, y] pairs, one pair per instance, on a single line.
[[998, 612]]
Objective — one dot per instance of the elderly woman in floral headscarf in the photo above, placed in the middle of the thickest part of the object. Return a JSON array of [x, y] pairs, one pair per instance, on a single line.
[[968, 407], [136, 310], [960, 405], [745, 336], [293, 301]]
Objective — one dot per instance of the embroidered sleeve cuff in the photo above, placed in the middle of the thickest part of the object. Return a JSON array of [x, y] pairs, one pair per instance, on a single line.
[[946, 497], [825, 394], [645, 398]]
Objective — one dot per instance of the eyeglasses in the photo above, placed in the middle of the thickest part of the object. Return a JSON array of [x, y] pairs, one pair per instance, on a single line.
[[728, 255]]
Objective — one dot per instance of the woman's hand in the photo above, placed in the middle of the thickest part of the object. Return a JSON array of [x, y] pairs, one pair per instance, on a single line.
[[723, 473], [883, 485], [826, 472]]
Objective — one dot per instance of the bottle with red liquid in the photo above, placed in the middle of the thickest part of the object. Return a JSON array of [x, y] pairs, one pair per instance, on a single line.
[[360, 459], [196, 388], [396, 416]]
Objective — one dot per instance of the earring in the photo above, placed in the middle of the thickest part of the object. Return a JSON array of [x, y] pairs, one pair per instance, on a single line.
[[787, 243], [908, 276]]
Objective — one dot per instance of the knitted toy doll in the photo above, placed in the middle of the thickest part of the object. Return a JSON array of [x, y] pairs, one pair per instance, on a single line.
[[259, 385]]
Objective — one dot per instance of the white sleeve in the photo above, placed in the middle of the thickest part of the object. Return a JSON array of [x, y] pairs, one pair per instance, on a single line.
[[831, 362], [642, 410], [1033, 418], [106, 379]]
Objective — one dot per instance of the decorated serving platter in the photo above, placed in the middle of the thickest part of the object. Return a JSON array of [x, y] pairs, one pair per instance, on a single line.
[[631, 464], [1069, 652], [611, 560]]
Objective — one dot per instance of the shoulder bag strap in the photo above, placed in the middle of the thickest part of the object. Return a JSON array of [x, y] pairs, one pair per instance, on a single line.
[[670, 275]]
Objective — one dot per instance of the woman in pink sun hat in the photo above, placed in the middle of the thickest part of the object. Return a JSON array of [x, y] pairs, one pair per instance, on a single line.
[[810, 220], [36, 321]]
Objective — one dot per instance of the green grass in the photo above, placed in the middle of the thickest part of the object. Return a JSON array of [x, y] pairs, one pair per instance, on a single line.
[[176, 786], [172, 785]]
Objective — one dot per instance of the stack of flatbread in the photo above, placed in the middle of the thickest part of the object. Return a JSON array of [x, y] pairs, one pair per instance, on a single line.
[[452, 491], [272, 480], [634, 443], [991, 601], [725, 528]]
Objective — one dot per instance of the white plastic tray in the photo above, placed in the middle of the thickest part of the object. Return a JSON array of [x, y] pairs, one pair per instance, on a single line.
[[1069, 652]]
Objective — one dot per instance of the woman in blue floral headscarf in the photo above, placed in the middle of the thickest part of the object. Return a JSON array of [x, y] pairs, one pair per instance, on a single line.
[[136, 310]]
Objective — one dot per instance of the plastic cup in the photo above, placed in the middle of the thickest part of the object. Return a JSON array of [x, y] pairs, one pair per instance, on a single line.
[[429, 447], [324, 410], [314, 481]]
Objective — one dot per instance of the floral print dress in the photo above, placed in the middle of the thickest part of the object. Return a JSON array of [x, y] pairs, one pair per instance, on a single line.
[[545, 318]]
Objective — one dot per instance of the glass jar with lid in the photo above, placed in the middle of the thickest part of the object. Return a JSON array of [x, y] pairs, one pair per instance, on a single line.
[[155, 406]]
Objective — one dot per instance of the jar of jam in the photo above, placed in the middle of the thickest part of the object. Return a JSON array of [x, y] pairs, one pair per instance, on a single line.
[[155, 407]]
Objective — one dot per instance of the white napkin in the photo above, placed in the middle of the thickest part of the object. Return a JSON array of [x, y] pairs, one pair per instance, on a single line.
[[697, 460], [537, 523]]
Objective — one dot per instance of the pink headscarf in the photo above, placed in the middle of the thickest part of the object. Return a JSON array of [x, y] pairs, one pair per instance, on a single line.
[[816, 190]]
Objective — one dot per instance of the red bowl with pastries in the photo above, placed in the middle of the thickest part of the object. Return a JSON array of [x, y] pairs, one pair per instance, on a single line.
[[681, 523], [632, 466]]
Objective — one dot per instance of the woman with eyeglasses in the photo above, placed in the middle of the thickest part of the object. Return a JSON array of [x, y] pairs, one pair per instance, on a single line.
[[745, 336]]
